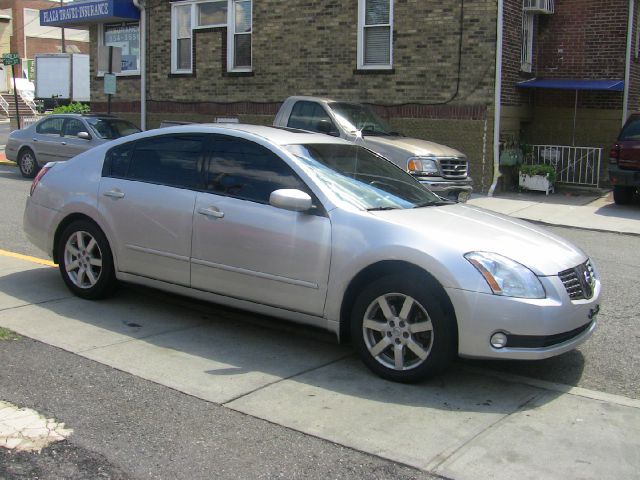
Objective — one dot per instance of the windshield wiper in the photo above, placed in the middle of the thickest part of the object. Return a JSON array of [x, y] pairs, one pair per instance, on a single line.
[[432, 203], [381, 208]]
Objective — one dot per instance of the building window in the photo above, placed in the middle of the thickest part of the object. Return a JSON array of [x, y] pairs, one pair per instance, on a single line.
[[181, 39], [125, 36], [375, 34], [239, 36], [526, 57]]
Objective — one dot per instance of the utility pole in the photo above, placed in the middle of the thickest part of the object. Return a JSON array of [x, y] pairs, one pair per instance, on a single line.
[[64, 50]]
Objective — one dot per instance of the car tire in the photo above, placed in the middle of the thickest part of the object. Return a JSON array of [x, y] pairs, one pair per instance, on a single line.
[[622, 194], [400, 329], [85, 261], [27, 163]]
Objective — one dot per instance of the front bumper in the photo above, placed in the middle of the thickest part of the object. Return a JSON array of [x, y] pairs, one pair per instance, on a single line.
[[537, 328], [618, 176]]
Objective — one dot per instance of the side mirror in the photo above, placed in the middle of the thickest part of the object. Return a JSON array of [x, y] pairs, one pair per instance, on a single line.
[[84, 135], [291, 199]]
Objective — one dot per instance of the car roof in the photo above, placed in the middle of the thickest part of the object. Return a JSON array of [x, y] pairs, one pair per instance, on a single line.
[[277, 135]]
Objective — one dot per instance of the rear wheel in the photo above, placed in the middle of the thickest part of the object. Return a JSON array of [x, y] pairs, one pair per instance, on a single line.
[[622, 194], [27, 163], [85, 261], [400, 329]]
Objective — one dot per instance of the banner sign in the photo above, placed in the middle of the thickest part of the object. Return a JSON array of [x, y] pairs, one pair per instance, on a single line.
[[89, 12]]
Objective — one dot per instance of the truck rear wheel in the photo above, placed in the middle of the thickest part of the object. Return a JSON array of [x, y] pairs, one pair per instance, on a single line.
[[622, 194]]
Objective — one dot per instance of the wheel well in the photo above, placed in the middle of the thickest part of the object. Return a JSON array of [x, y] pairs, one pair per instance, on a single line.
[[23, 148], [64, 224], [381, 269]]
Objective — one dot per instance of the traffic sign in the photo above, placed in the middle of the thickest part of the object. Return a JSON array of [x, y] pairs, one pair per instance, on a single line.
[[10, 59]]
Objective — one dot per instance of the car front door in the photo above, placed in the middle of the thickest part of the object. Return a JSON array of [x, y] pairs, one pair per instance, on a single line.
[[245, 248], [70, 144], [147, 196]]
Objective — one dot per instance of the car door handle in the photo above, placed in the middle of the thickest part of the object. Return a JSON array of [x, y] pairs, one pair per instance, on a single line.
[[34, 139], [114, 194], [63, 143], [211, 212]]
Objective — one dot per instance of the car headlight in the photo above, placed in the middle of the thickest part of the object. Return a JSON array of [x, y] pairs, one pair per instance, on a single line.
[[422, 166], [505, 276]]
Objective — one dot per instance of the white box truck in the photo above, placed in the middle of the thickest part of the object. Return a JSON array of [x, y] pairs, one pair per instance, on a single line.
[[63, 75]]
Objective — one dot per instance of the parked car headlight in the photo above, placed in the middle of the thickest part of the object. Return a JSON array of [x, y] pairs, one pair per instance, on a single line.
[[422, 166], [505, 276]]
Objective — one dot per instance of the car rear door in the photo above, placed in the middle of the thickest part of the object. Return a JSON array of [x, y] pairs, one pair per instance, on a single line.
[[147, 196], [245, 248], [629, 142], [47, 139]]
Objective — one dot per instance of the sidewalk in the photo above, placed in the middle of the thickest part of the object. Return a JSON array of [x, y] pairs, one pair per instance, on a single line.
[[589, 211], [469, 423]]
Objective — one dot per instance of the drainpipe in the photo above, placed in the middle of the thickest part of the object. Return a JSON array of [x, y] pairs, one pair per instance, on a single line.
[[627, 69], [497, 98], [143, 63]]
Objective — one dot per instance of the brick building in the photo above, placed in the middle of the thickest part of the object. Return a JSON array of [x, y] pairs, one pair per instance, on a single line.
[[22, 33], [428, 66]]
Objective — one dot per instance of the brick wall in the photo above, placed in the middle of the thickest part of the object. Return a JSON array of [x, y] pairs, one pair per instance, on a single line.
[[511, 56]]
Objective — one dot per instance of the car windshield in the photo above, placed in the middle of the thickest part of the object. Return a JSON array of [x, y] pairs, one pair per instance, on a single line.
[[110, 128], [356, 117], [363, 179]]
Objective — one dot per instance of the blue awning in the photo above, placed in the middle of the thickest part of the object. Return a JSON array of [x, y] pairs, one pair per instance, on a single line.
[[88, 12], [574, 84]]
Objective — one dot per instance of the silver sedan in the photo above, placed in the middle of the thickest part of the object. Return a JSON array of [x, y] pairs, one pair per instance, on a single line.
[[59, 137], [310, 228]]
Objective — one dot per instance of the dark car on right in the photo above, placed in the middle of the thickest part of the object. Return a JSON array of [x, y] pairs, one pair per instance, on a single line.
[[624, 162]]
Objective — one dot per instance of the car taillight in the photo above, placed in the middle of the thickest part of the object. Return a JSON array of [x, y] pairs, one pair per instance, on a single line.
[[614, 154], [36, 180]]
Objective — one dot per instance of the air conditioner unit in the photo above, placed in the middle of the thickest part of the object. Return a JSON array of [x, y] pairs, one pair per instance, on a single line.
[[538, 6]]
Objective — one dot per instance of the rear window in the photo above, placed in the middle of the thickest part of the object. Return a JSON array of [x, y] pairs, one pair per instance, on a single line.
[[631, 130]]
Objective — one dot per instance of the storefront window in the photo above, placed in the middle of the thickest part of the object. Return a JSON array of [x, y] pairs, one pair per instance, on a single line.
[[127, 37]]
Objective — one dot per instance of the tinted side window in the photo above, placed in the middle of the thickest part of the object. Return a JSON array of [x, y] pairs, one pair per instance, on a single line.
[[52, 126], [72, 127], [631, 130], [174, 160], [116, 163], [310, 116], [243, 169]]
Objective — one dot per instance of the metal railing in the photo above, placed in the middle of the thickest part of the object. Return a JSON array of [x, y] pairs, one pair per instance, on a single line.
[[574, 165], [4, 104], [30, 103], [28, 121]]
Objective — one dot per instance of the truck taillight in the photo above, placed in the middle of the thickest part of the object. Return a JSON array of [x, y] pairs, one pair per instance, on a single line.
[[36, 180], [614, 154]]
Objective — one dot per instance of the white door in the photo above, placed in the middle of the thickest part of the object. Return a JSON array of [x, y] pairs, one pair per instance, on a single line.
[[247, 249]]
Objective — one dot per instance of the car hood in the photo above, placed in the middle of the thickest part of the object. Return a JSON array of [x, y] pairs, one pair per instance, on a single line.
[[466, 228], [411, 146]]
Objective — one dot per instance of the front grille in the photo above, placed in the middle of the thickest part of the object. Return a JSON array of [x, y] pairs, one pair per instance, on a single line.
[[579, 281], [453, 168]]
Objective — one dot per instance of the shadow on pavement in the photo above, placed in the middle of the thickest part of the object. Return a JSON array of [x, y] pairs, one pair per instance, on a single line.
[[219, 349]]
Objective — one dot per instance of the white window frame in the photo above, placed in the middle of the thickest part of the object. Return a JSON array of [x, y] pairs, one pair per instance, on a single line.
[[361, 46], [231, 33], [128, 73], [174, 36], [526, 55]]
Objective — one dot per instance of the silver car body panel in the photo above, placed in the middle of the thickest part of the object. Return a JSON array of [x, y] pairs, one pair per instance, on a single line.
[[298, 266]]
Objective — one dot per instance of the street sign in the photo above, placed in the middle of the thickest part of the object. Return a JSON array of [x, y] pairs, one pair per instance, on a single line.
[[10, 59], [109, 84], [10, 55]]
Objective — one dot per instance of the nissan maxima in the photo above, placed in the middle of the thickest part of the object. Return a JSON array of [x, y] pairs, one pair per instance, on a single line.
[[310, 228]]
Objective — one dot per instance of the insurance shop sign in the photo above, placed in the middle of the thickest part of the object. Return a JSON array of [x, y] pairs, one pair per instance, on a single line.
[[89, 12]]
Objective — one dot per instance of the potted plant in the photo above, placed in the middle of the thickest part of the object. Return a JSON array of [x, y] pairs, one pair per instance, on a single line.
[[539, 177]]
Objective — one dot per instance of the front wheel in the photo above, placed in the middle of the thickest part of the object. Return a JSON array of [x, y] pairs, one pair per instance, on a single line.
[[27, 163], [401, 331], [85, 260]]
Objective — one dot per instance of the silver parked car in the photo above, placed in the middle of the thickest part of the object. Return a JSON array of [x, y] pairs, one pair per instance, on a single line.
[[313, 229], [60, 137]]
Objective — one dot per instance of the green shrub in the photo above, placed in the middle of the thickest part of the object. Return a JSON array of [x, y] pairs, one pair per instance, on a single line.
[[541, 169], [75, 107]]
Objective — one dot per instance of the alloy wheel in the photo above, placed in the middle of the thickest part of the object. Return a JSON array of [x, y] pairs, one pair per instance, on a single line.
[[398, 331], [83, 260]]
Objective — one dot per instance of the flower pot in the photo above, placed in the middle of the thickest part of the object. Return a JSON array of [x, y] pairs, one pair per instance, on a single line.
[[540, 183]]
